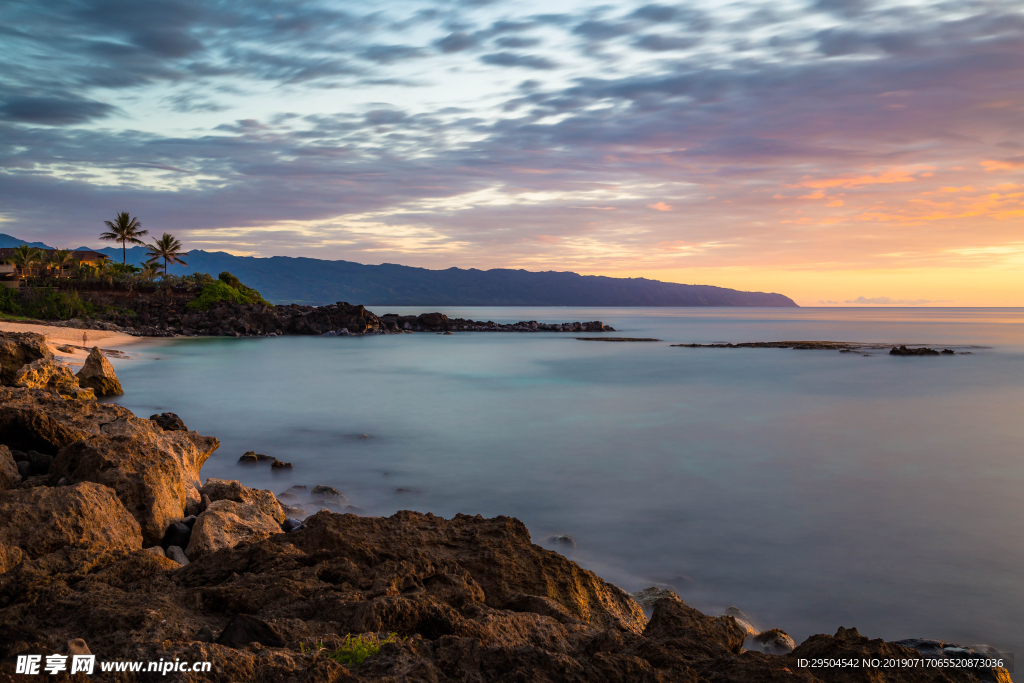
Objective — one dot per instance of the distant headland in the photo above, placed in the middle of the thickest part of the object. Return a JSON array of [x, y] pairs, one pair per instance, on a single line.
[[284, 279]]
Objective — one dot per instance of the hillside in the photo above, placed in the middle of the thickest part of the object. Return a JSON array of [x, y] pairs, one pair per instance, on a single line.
[[284, 279]]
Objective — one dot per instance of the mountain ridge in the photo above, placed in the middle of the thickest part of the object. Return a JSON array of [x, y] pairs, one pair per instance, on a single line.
[[300, 279]]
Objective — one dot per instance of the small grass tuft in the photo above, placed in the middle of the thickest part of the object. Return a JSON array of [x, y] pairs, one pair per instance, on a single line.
[[356, 649]]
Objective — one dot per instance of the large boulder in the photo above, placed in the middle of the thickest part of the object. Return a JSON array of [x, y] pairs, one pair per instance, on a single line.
[[226, 489], [10, 477], [225, 524], [152, 471], [98, 374], [47, 373], [43, 520], [41, 420], [676, 623], [10, 557], [18, 349]]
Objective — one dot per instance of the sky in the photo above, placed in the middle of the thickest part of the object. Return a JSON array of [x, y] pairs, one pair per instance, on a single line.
[[842, 152]]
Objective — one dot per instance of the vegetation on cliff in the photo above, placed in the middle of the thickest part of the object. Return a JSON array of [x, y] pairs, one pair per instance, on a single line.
[[226, 288]]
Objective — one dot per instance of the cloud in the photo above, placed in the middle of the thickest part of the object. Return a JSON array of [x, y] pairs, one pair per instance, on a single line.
[[53, 111], [886, 301], [457, 42], [517, 59]]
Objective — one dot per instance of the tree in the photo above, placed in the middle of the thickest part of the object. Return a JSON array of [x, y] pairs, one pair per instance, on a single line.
[[24, 256], [60, 259], [168, 249], [124, 229]]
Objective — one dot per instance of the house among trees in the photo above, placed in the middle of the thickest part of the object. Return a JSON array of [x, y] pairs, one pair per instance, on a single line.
[[22, 262]]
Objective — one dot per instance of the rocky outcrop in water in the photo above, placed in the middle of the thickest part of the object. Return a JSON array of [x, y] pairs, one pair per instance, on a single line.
[[26, 361], [469, 599], [98, 374]]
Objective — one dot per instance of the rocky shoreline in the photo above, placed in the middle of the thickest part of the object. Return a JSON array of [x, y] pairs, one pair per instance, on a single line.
[[168, 315], [112, 545]]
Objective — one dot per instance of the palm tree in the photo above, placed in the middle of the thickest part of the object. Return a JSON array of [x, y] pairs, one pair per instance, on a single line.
[[60, 258], [168, 249], [103, 270], [124, 229], [24, 256], [150, 269]]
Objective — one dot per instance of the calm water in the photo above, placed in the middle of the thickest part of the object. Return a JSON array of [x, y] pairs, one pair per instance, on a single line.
[[812, 489]]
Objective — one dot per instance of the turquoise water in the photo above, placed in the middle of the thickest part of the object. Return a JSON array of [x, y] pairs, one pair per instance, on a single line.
[[812, 489]]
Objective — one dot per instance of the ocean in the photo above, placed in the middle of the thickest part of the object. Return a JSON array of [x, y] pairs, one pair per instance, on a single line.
[[811, 489]]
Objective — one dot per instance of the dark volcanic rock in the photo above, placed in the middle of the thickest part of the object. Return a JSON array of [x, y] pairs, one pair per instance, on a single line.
[[176, 534], [169, 422], [244, 629], [904, 351]]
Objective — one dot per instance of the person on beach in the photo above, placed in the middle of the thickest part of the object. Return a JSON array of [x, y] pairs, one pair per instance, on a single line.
[[85, 338]]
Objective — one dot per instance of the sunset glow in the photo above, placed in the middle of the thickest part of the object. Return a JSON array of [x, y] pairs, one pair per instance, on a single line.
[[842, 152]]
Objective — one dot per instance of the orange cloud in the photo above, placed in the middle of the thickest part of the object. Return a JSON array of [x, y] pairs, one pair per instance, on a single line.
[[838, 202], [880, 179], [661, 206], [991, 165]]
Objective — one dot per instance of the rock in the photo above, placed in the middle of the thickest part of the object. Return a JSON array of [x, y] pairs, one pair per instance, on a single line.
[[176, 534], [47, 373], [745, 622], [648, 596], [291, 525], [227, 523], [948, 352], [10, 475], [43, 520], [76, 646], [297, 492], [562, 539], [20, 349], [40, 462], [326, 493], [248, 458], [292, 510], [190, 521], [675, 621], [774, 642], [205, 634], [904, 351], [66, 349], [244, 629], [98, 374], [10, 557], [175, 553], [156, 550], [169, 422], [25, 469], [278, 465], [225, 489], [204, 502]]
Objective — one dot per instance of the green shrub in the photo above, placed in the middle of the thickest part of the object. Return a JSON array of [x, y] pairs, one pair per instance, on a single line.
[[356, 649], [227, 288], [47, 303], [10, 301]]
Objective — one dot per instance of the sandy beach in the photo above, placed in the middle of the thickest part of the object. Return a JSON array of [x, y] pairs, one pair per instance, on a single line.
[[61, 336]]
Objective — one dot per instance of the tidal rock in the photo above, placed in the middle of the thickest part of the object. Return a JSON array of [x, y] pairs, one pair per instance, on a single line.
[[43, 520], [226, 489], [774, 642], [98, 374], [278, 465], [745, 622], [904, 351], [169, 422], [562, 539], [66, 349], [292, 510], [244, 629], [674, 620], [177, 554], [176, 534], [326, 493], [248, 458], [948, 352], [227, 523], [648, 596], [18, 349], [10, 477], [291, 525], [297, 492]]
